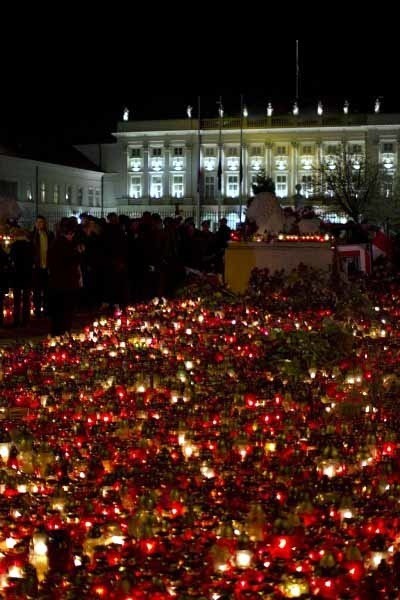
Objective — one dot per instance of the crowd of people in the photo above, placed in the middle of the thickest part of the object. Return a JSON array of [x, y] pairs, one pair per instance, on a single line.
[[103, 263]]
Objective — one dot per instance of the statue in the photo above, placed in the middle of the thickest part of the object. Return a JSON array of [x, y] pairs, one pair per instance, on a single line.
[[309, 223], [125, 114], [266, 213]]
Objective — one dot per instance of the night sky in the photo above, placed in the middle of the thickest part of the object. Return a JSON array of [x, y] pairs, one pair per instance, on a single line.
[[76, 95]]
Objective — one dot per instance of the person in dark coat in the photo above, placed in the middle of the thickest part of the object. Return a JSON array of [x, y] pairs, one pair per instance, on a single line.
[[65, 279], [4, 280], [115, 248], [222, 238], [21, 258], [42, 239]]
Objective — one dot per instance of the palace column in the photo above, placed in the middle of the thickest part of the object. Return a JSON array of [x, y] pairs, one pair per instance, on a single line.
[[294, 168], [268, 159], [166, 183], [188, 170], [146, 173]]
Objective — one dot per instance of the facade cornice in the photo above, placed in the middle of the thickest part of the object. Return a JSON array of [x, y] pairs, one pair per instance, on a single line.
[[266, 131]]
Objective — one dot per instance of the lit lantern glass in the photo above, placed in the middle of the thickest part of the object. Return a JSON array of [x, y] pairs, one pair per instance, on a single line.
[[294, 587], [243, 559], [5, 450]]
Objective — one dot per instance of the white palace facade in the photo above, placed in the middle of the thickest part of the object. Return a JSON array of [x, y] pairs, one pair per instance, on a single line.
[[154, 165]]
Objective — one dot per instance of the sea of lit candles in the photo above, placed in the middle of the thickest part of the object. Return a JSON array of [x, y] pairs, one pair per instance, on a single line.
[[170, 453]]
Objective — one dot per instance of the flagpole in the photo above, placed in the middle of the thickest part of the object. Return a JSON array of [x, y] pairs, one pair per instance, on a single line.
[[219, 172], [241, 160], [199, 162], [297, 70]]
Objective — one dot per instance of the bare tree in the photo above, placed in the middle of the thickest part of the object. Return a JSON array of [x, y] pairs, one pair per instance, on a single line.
[[384, 209], [263, 183], [348, 183]]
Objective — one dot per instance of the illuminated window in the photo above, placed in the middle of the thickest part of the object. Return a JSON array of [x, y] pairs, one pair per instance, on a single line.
[[210, 151], [256, 151], [209, 187], [56, 193], [253, 182], [68, 194], [388, 148], [177, 186], [306, 183], [306, 150], [356, 149], [332, 149], [43, 191], [156, 187], [29, 194], [388, 187], [281, 185], [136, 187], [233, 186]]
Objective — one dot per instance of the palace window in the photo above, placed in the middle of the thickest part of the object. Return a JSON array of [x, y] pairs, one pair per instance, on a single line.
[[232, 151], [209, 187], [281, 185], [387, 187], [79, 196], [135, 152], [306, 151], [136, 187], [68, 194], [281, 150], [388, 148], [252, 182], [177, 186], [157, 159], [43, 191], [91, 196], [178, 151], [356, 149], [332, 149], [233, 186], [256, 151], [156, 186], [29, 195], [306, 183], [97, 197], [56, 193], [210, 151]]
